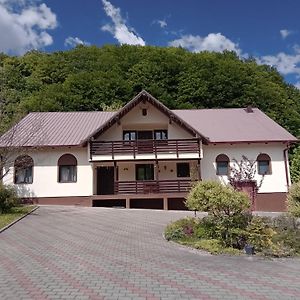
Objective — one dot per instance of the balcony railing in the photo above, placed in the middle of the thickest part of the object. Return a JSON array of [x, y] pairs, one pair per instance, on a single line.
[[137, 147], [152, 186]]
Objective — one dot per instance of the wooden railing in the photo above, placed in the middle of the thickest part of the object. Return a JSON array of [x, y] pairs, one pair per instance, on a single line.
[[152, 186], [136, 147]]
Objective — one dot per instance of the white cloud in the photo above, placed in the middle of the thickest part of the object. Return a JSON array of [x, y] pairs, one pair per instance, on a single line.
[[297, 85], [119, 29], [161, 23], [212, 42], [285, 63], [24, 25], [74, 41], [285, 33]]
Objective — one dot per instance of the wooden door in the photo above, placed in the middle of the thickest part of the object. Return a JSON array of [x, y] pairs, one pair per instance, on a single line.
[[105, 181]]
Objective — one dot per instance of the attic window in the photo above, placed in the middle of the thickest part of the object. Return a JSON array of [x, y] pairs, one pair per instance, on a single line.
[[144, 111]]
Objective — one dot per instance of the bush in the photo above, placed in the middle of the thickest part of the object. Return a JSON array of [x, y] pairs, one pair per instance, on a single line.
[[293, 200], [181, 228], [8, 198], [260, 234], [216, 199], [230, 230]]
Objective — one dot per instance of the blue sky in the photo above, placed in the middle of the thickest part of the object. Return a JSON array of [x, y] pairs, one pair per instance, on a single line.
[[268, 30]]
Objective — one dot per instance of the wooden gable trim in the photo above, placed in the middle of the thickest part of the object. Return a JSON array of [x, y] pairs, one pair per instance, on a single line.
[[144, 96]]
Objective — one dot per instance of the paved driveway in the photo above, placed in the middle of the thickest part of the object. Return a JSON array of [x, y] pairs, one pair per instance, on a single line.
[[98, 253]]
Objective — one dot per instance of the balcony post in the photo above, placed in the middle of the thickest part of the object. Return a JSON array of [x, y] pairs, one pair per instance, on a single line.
[[199, 169], [90, 148], [199, 147], [116, 175], [127, 202], [165, 203]]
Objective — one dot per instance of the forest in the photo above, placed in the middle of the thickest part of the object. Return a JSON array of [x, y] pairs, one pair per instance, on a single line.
[[89, 78]]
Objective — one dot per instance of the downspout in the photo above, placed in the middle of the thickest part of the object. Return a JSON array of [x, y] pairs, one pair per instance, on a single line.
[[286, 165]]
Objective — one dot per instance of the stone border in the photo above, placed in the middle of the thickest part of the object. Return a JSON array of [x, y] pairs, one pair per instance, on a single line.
[[17, 220]]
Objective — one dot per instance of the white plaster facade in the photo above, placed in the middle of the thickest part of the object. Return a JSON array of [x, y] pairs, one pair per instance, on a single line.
[[45, 171], [275, 182], [45, 175]]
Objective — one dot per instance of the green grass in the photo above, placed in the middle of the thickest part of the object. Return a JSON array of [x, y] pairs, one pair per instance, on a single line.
[[14, 214]]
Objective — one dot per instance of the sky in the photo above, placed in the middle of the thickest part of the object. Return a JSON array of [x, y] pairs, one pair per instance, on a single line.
[[268, 30]]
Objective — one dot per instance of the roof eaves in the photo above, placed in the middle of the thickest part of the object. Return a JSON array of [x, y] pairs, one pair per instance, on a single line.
[[139, 97]]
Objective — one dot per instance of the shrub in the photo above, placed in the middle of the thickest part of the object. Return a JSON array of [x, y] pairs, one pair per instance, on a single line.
[[213, 245], [293, 200], [216, 199], [230, 230], [260, 234], [181, 228], [8, 198], [284, 222]]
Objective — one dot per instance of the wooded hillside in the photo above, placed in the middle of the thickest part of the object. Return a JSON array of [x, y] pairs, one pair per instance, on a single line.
[[92, 78]]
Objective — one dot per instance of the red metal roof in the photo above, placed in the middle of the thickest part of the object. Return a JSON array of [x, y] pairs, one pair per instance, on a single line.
[[54, 128], [235, 125], [73, 128]]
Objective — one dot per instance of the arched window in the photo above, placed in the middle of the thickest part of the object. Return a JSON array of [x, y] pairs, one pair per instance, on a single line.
[[222, 163], [263, 164], [23, 169], [67, 168]]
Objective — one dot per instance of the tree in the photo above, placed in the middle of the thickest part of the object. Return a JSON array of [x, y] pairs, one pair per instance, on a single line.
[[294, 200], [295, 165], [217, 199]]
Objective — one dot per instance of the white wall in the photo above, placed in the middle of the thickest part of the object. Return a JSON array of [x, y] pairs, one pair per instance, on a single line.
[[166, 170], [134, 120], [45, 175], [275, 182]]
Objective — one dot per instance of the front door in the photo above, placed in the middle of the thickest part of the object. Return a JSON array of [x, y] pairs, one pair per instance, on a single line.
[[145, 141], [105, 181]]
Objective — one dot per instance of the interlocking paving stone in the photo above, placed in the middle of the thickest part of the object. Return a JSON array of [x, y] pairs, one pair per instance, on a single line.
[[98, 253]]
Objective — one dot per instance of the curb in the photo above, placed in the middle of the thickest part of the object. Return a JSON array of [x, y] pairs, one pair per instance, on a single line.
[[17, 220]]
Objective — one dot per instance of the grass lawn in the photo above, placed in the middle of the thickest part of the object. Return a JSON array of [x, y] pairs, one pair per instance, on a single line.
[[14, 214]]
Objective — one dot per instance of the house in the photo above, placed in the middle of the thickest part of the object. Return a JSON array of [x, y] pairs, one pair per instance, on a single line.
[[144, 155]]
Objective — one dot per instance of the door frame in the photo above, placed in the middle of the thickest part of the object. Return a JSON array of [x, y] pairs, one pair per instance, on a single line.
[[110, 176]]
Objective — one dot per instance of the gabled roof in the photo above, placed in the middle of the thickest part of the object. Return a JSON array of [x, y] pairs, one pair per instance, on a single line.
[[54, 129], [236, 125], [144, 96], [59, 129]]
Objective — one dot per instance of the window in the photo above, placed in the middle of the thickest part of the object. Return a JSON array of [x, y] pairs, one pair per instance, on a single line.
[[263, 164], [222, 163], [67, 168], [129, 135], [144, 172], [161, 134], [183, 170], [144, 111], [23, 169]]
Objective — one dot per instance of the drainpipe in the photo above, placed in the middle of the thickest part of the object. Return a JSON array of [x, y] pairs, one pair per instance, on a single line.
[[286, 165]]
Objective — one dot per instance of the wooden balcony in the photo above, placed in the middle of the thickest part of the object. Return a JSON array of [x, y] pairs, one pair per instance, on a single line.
[[152, 186], [145, 149]]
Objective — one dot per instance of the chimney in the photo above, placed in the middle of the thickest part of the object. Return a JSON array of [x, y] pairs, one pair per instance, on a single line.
[[249, 109]]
